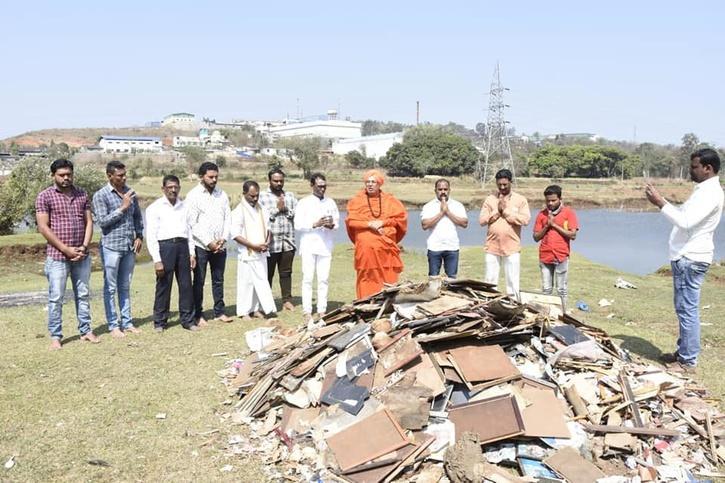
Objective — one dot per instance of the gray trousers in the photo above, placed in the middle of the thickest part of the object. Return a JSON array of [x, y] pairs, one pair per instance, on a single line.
[[555, 273]]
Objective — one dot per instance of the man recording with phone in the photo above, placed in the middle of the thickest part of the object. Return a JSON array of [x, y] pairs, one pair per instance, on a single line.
[[117, 213]]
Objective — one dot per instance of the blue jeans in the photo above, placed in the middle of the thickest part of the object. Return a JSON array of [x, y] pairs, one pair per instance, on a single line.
[[687, 278], [117, 273], [57, 272], [447, 258]]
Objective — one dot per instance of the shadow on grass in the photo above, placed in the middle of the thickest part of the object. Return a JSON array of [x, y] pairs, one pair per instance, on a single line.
[[639, 346]]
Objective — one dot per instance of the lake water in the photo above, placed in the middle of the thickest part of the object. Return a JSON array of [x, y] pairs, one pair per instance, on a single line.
[[633, 242]]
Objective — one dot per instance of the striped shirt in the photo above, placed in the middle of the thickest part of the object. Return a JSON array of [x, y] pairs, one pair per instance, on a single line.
[[209, 215], [67, 217], [118, 228], [281, 224]]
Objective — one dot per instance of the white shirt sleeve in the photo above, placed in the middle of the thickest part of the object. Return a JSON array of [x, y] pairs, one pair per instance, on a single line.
[[236, 227], [429, 211], [692, 212], [335, 215], [303, 220], [152, 227]]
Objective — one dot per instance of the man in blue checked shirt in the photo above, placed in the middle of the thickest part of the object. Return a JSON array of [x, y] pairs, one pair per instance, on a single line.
[[117, 213]]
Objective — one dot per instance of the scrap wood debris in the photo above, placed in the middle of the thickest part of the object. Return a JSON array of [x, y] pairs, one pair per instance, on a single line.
[[402, 384]]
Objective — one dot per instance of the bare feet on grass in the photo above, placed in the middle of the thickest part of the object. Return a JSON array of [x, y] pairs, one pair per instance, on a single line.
[[55, 345], [117, 333], [133, 330], [91, 337], [202, 322]]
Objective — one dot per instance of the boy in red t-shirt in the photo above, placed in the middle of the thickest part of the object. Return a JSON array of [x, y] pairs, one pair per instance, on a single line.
[[555, 227]]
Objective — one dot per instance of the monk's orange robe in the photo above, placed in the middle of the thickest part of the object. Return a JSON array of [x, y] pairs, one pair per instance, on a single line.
[[377, 257]]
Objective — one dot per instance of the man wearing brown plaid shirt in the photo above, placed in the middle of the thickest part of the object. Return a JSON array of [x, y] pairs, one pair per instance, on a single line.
[[63, 214]]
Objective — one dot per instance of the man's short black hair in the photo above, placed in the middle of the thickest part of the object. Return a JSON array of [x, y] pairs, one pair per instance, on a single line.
[[170, 177], [315, 176], [707, 156], [114, 166], [441, 180], [504, 173], [60, 163], [272, 171], [207, 166], [250, 183], [553, 189]]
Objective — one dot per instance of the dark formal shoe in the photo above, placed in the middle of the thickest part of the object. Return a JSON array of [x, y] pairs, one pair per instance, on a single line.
[[668, 357]]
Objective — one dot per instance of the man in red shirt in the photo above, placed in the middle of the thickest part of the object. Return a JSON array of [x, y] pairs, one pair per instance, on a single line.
[[555, 227]]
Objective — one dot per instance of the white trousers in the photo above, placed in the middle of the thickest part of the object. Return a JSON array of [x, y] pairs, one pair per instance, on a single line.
[[311, 264], [253, 289], [511, 270]]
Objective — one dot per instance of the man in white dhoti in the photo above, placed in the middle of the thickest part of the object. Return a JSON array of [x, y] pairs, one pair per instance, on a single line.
[[249, 229], [316, 218]]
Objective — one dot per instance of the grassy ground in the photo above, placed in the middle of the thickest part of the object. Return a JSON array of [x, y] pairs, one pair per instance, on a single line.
[[87, 402]]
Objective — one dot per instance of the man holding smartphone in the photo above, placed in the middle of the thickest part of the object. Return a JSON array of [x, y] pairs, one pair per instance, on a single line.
[[117, 213]]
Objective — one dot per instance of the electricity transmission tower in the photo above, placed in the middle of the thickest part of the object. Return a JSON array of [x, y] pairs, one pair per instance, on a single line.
[[496, 149]]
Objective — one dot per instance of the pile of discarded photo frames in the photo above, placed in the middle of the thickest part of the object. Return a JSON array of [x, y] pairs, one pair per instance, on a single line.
[[448, 380]]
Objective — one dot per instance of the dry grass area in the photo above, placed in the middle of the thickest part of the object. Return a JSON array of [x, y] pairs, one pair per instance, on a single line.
[[60, 411]]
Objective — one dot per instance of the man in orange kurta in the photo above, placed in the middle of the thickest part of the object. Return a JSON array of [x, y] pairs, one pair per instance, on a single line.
[[376, 222]]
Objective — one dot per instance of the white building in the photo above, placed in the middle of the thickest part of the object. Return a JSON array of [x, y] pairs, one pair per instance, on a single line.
[[204, 139], [373, 146], [181, 120], [130, 144], [329, 128]]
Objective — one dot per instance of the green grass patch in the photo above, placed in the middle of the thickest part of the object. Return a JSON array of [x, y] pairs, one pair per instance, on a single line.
[[86, 402]]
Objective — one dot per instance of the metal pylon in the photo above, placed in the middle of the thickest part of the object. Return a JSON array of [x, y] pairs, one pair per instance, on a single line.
[[496, 149]]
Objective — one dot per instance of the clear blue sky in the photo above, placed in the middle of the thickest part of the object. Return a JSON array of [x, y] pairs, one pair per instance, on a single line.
[[571, 66]]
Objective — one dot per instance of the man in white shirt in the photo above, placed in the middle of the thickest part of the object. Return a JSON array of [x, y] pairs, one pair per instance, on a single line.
[[168, 238], [691, 250], [443, 216], [250, 228], [316, 218], [209, 217]]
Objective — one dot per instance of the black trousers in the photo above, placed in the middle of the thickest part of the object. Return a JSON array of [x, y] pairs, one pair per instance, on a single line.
[[216, 262], [283, 260], [175, 257]]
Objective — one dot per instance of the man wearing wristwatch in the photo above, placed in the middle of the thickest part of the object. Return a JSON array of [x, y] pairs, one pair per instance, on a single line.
[[63, 214], [118, 214]]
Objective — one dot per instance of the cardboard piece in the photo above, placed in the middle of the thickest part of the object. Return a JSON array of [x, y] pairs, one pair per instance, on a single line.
[[399, 353], [483, 362], [428, 375], [443, 304], [572, 466], [492, 419], [353, 446], [544, 414], [295, 420]]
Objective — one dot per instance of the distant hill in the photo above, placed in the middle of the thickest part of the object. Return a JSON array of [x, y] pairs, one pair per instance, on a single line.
[[77, 137]]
